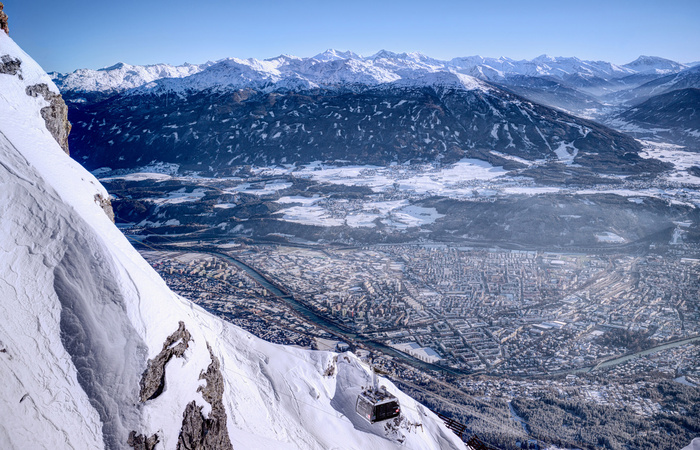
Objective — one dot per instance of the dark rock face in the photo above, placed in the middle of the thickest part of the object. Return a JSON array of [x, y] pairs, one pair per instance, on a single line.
[[153, 378], [213, 131], [193, 431], [198, 432], [672, 116], [55, 115], [3, 20], [11, 66], [141, 442]]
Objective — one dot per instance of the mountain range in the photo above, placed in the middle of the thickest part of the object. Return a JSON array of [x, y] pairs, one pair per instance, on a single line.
[[339, 106], [333, 67]]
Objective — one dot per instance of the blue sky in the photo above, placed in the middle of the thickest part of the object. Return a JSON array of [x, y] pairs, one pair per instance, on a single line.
[[71, 34]]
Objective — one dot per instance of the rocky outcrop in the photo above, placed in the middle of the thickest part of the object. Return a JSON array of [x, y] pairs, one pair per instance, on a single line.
[[141, 442], [3, 20], [193, 432], [106, 205], [11, 66], [55, 114], [198, 432], [153, 378]]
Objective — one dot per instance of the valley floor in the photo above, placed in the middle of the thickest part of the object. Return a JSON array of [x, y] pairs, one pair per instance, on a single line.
[[497, 326]]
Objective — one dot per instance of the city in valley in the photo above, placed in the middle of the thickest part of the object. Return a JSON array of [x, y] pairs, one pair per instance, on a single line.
[[498, 337]]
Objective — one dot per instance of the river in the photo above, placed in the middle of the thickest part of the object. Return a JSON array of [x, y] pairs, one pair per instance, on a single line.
[[623, 359], [308, 314]]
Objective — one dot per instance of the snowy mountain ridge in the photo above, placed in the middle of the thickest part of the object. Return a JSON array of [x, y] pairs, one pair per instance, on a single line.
[[654, 64], [85, 319], [333, 67], [122, 76]]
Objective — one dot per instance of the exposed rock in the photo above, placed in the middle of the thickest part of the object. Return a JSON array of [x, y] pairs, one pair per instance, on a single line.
[[192, 434], [106, 206], [3, 20], [141, 442], [55, 115], [153, 378], [330, 370], [11, 66], [198, 432]]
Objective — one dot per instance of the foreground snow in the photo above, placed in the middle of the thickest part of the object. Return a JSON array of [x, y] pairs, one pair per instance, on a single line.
[[82, 312]]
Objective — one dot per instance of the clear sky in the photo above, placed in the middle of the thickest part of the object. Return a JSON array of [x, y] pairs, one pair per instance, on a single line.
[[70, 34]]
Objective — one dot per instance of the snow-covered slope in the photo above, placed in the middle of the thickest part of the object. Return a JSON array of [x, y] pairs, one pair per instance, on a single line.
[[82, 314]]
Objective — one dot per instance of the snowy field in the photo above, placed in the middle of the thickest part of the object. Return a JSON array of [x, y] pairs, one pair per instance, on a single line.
[[180, 196], [610, 238], [427, 179], [674, 154], [395, 189], [397, 215]]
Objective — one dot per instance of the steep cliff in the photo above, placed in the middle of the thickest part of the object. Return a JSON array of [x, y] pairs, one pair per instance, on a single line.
[[3, 20]]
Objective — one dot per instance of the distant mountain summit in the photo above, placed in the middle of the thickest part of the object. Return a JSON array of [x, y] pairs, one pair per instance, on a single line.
[[333, 66], [654, 64], [686, 78]]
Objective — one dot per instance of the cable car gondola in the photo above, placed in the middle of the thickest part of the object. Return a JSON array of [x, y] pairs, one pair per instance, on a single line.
[[377, 404]]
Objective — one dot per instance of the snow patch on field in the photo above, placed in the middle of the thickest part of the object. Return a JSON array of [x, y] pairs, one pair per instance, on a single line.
[[566, 152], [610, 238], [266, 188], [310, 215], [517, 158], [411, 216], [180, 196], [444, 181], [530, 190], [139, 176], [305, 201], [395, 214]]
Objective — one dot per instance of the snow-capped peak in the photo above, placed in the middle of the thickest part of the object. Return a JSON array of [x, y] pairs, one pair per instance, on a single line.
[[655, 65], [333, 55], [121, 76]]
